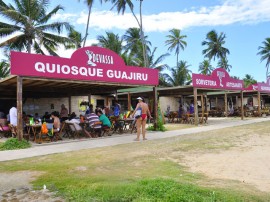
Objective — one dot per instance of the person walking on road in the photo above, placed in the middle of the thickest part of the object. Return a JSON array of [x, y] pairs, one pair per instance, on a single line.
[[141, 112]]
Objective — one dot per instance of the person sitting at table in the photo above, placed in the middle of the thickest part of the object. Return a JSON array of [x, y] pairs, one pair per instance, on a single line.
[[46, 117], [104, 119], [94, 124], [56, 122], [36, 117], [191, 107], [73, 119]]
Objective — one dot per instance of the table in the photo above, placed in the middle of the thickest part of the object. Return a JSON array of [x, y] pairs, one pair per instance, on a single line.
[[35, 129]]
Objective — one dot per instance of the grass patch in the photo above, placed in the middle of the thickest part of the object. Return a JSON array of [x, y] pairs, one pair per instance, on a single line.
[[14, 143]]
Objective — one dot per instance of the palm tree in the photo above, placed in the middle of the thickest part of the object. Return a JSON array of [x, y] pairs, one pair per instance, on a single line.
[[111, 41], [130, 60], [214, 43], [157, 63], [205, 67], [223, 63], [248, 80], [163, 82], [176, 42], [265, 54], [76, 38], [121, 7], [4, 69], [133, 40], [29, 25], [134, 45], [179, 75], [89, 3]]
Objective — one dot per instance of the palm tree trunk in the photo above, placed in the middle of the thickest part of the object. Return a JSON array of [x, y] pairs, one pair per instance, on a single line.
[[177, 59], [29, 46], [87, 26], [142, 37], [141, 34], [267, 73]]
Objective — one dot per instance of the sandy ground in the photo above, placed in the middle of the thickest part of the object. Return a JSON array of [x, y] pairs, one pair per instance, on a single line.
[[248, 162], [16, 187]]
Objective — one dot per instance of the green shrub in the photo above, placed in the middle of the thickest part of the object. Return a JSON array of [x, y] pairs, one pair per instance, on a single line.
[[160, 127], [14, 143]]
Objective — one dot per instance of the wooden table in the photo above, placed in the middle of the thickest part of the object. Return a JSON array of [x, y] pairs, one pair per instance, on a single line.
[[35, 129]]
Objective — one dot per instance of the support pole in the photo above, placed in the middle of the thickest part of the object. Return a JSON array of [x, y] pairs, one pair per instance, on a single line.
[[202, 104], [195, 107], [129, 101], [259, 104], [242, 106], [19, 108], [226, 104], [69, 104], [216, 102], [155, 107], [205, 103]]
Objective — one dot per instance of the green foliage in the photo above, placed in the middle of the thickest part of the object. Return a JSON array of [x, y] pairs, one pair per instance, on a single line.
[[14, 143], [27, 25], [160, 127]]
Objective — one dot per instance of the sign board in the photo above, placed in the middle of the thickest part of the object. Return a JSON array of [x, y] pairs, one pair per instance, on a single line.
[[220, 79], [88, 64], [260, 86], [264, 87]]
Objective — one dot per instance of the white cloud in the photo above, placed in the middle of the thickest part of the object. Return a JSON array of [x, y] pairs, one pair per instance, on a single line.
[[66, 53], [229, 12]]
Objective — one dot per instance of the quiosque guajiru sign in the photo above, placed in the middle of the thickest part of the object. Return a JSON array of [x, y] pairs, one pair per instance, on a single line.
[[89, 63], [88, 71]]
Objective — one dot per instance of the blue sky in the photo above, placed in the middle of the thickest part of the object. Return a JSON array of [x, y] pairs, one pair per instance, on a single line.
[[246, 24]]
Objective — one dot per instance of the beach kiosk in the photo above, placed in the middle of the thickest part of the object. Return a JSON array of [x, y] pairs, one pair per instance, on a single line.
[[218, 80], [89, 70]]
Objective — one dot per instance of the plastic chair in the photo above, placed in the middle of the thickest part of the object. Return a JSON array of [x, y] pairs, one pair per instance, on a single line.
[[5, 131]]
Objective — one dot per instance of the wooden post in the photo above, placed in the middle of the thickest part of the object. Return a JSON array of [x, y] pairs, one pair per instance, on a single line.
[[19, 108], [69, 105], [129, 102], [242, 106], [195, 107], [259, 104], [226, 105], [202, 104], [216, 102], [107, 101], [205, 104], [155, 107]]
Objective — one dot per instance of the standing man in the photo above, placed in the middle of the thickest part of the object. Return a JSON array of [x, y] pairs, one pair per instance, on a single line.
[[117, 109], [13, 115], [63, 113], [141, 121]]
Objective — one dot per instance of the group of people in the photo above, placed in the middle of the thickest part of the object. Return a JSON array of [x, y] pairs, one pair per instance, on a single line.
[[185, 109], [98, 120]]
